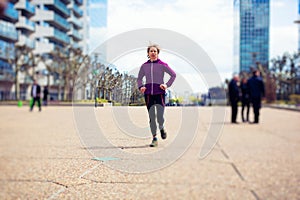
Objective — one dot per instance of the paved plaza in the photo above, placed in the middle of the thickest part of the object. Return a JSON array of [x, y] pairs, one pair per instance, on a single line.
[[43, 156]]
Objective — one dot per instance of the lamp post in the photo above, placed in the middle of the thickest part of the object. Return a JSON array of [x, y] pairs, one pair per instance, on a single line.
[[254, 56]]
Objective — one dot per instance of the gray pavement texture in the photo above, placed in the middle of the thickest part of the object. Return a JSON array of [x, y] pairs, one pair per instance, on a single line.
[[42, 157]]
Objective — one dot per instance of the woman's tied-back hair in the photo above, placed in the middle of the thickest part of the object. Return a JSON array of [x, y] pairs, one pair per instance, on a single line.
[[155, 46]]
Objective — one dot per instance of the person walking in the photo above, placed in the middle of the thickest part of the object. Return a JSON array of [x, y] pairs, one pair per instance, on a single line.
[[234, 95], [245, 99], [36, 95], [154, 90], [45, 95], [256, 92]]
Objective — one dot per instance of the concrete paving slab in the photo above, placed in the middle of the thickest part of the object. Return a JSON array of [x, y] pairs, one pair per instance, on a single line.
[[154, 191], [27, 189], [42, 156]]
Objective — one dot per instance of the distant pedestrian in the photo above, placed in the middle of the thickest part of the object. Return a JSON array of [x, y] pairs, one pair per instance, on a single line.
[[45, 96], [154, 89], [36, 95], [234, 94], [257, 92], [245, 99]]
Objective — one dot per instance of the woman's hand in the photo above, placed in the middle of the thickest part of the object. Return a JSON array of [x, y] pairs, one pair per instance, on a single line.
[[143, 89], [163, 86]]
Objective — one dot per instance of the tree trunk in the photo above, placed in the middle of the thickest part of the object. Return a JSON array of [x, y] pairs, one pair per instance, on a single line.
[[83, 93], [270, 89], [104, 93], [66, 89], [109, 95], [48, 79], [59, 91]]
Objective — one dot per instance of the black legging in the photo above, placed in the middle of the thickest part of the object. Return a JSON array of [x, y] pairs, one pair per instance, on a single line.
[[158, 102], [245, 103]]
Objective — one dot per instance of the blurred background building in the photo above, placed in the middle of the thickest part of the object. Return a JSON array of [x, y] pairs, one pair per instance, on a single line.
[[98, 26], [8, 39], [41, 27], [251, 34]]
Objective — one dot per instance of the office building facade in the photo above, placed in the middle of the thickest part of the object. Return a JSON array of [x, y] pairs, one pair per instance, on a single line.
[[58, 25], [8, 39], [84, 43], [98, 23], [251, 34]]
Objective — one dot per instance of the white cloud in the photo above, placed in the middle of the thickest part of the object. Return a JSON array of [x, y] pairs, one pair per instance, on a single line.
[[283, 39], [97, 37], [283, 30], [208, 23], [98, 5], [277, 3]]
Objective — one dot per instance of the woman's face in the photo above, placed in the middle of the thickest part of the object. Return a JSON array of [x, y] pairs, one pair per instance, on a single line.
[[153, 54]]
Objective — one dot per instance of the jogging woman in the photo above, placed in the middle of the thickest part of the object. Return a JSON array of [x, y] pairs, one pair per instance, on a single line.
[[154, 90]]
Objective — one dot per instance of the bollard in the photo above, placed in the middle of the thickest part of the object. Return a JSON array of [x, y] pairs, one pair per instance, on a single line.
[[20, 103], [30, 102]]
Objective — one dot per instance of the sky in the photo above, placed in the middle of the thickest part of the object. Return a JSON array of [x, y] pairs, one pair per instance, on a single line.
[[207, 23]]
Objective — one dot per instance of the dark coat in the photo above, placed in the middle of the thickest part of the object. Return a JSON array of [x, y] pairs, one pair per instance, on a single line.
[[256, 88], [38, 90], [233, 91], [245, 92], [45, 93]]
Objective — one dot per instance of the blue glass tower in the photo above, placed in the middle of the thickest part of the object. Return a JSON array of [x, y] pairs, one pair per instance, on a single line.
[[98, 23], [251, 39], [98, 13]]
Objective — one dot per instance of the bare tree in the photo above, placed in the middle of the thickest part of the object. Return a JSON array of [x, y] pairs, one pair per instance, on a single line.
[[56, 62], [64, 65], [76, 61], [23, 60], [285, 70]]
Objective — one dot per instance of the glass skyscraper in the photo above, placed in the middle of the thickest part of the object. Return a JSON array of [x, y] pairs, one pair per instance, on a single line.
[[251, 34], [98, 26], [98, 13]]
